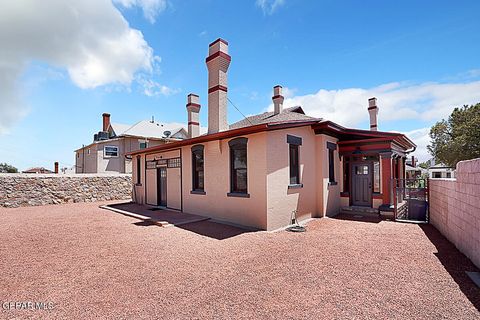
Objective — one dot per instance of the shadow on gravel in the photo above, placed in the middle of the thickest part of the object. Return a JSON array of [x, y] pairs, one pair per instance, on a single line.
[[455, 262], [145, 223], [214, 230]]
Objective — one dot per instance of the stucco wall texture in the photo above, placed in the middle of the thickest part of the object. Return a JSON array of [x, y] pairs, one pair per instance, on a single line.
[[455, 208], [19, 190]]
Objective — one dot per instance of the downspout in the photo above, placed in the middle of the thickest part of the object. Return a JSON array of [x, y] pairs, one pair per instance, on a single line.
[[83, 158], [413, 150]]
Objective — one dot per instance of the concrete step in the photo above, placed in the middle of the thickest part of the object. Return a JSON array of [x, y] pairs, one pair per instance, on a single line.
[[365, 211]]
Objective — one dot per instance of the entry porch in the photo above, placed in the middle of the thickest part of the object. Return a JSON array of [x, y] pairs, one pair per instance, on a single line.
[[370, 163]]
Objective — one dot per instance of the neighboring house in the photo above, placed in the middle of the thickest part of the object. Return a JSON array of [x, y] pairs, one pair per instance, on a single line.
[[412, 170], [107, 151], [441, 171], [259, 171], [37, 170]]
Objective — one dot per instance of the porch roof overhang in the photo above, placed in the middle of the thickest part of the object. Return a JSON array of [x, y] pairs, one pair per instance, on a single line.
[[365, 141]]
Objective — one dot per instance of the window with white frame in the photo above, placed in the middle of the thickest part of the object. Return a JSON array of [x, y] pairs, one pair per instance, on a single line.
[[110, 151]]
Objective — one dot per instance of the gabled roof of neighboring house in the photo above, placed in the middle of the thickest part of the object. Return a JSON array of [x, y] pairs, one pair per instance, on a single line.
[[148, 129], [440, 166], [288, 114], [37, 170], [409, 167], [119, 128]]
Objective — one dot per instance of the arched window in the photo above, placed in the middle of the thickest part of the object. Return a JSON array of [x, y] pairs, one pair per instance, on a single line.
[[238, 165], [198, 177]]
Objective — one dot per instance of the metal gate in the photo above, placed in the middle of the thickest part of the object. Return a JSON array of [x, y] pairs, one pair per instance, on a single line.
[[410, 200]]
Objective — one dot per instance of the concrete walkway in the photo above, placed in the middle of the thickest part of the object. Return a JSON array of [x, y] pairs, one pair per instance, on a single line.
[[154, 215]]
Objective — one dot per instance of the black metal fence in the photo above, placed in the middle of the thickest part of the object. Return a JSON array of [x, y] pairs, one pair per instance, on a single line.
[[410, 199]]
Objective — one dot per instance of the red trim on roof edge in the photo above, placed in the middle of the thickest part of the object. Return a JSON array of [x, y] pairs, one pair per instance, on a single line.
[[218, 54], [216, 88]]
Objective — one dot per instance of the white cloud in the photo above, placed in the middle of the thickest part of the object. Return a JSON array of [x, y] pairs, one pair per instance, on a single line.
[[422, 139], [152, 88], [425, 102], [396, 101], [269, 6], [150, 8], [90, 39]]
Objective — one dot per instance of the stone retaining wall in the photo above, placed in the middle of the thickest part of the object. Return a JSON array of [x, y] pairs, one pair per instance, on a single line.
[[18, 190], [455, 208]]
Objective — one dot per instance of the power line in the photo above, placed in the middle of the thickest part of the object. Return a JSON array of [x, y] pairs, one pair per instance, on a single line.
[[239, 110]]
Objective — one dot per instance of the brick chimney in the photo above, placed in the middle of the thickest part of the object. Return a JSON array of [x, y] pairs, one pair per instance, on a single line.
[[218, 62], [277, 100], [193, 110], [106, 121], [373, 111], [55, 166]]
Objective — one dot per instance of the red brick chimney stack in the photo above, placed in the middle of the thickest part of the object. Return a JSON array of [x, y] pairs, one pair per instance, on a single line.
[[106, 121], [373, 112], [193, 110], [55, 166], [277, 100], [218, 62]]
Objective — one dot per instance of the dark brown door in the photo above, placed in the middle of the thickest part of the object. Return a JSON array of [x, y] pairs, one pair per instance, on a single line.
[[162, 186], [362, 184]]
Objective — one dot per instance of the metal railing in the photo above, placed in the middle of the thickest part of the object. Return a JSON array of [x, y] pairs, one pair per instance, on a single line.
[[410, 199]]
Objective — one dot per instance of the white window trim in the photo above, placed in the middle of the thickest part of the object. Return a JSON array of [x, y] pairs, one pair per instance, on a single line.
[[106, 156]]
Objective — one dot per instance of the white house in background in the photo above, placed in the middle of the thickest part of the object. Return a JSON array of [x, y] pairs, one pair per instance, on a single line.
[[107, 151], [440, 170]]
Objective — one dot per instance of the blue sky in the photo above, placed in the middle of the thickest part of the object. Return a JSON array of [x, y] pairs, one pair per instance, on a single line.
[[66, 63]]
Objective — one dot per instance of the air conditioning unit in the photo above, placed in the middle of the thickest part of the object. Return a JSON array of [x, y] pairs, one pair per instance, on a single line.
[[102, 135]]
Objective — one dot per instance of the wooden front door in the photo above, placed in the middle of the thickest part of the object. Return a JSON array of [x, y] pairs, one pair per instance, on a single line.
[[362, 184], [162, 186]]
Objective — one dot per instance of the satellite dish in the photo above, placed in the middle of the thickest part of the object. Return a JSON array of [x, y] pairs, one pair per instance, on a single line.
[[167, 133]]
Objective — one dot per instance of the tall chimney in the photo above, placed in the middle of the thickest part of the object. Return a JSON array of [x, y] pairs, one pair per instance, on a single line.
[[373, 111], [106, 121], [277, 100], [218, 62], [193, 109], [55, 166]]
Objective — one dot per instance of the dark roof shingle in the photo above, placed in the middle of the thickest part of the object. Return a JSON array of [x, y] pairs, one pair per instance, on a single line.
[[288, 114]]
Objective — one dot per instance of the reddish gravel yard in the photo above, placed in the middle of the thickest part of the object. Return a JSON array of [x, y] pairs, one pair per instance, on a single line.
[[94, 263]]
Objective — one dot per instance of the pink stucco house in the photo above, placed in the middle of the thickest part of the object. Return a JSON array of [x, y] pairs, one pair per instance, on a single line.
[[257, 171]]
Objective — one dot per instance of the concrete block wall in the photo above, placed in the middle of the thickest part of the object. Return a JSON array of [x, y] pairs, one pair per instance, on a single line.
[[455, 208], [19, 190]]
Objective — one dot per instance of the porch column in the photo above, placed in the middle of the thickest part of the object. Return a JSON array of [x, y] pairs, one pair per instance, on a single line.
[[386, 164]]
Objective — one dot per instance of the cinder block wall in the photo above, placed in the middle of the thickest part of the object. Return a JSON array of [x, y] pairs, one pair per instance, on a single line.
[[455, 208], [17, 190]]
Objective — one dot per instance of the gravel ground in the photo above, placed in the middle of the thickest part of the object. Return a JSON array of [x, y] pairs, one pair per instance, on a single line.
[[94, 263]]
